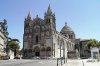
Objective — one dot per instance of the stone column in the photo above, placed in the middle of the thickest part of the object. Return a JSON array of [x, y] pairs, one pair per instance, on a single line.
[[63, 50], [60, 48], [54, 49], [40, 52], [45, 53]]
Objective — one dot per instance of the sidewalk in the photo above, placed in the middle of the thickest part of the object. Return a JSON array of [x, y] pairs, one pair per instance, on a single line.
[[91, 63], [82, 62], [73, 63]]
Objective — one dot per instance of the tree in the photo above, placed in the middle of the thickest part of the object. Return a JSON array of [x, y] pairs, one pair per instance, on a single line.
[[14, 46], [92, 43], [9, 39]]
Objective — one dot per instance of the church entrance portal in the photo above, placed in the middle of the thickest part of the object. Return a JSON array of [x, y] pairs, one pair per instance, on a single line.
[[37, 54], [37, 51]]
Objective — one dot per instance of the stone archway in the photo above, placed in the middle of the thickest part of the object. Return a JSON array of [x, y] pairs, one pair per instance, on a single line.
[[48, 49], [43, 51], [37, 51], [25, 52]]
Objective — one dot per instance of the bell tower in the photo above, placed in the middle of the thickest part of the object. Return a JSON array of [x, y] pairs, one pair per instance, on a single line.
[[50, 20], [28, 22]]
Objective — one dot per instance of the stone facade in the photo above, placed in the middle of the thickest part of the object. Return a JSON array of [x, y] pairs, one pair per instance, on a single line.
[[10, 53], [69, 33], [80, 46], [42, 39], [3, 38], [84, 53], [3, 41]]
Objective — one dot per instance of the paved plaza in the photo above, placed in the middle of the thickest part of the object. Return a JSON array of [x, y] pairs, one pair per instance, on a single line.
[[27, 62], [81, 62], [30, 62]]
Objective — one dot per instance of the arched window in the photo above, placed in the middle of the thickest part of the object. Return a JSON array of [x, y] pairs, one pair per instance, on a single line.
[[27, 25], [43, 49], [36, 38], [58, 40], [25, 50], [30, 50], [49, 20], [48, 48], [69, 36], [36, 49]]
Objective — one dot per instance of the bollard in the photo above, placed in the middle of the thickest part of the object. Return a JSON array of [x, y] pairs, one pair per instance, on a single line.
[[57, 61]]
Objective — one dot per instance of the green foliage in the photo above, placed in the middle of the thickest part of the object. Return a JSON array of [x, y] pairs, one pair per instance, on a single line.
[[92, 43], [13, 45], [17, 52], [10, 39], [15, 40]]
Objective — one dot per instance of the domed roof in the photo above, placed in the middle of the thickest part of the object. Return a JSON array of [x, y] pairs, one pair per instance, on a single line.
[[66, 29]]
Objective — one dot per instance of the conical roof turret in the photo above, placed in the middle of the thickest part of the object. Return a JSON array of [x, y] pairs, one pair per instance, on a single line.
[[30, 16], [49, 11]]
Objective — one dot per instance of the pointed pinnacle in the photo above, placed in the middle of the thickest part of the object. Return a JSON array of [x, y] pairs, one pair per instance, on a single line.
[[49, 10], [25, 17], [29, 16]]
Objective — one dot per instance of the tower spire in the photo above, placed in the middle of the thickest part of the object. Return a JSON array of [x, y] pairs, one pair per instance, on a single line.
[[29, 16], [49, 11], [25, 17]]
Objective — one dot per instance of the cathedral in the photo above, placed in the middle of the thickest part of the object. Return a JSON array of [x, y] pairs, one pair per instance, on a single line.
[[41, 38]]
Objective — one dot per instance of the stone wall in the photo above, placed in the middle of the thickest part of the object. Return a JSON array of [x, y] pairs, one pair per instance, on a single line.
[[11, 54]]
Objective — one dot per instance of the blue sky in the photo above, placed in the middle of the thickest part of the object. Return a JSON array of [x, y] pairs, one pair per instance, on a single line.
[[83, 16]]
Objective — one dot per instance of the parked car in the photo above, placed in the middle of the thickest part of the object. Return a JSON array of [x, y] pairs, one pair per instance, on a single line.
[[7, 57], [16, 57]]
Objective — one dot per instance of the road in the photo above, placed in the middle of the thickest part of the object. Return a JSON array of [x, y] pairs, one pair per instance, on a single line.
[[28, 62]]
